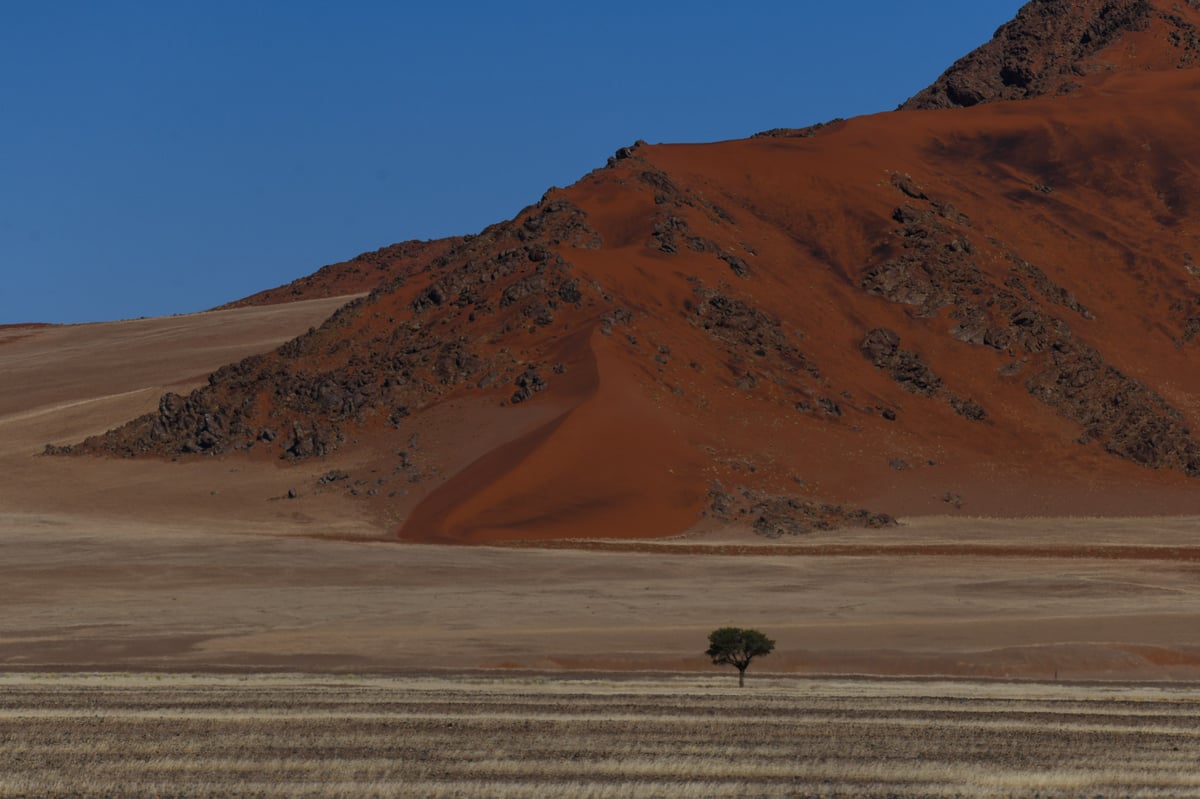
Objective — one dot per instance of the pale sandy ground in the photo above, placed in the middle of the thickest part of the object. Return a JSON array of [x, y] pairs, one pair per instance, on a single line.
[[198, 565]]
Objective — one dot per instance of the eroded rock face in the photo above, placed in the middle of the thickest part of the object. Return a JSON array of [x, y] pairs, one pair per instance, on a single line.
[[930, 264], [1051, 44], [1127, 418], [757, 347], [881, 347], [775, 516]]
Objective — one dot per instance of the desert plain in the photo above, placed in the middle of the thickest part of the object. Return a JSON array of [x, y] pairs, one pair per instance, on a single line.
[[206, 563], [187, 628], [468, 534]]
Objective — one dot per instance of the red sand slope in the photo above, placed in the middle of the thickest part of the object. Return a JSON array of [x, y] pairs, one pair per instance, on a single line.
[[989, 310]]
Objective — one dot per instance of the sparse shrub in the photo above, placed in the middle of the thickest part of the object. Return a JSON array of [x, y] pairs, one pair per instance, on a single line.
[[734, 646]]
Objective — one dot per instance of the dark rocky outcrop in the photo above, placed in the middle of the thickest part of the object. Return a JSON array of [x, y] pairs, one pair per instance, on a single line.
[[1051, 44], [756, 343], [774, 515], [881, 347], [928, 263], [528, 383], [1124, 416], [304, 398]]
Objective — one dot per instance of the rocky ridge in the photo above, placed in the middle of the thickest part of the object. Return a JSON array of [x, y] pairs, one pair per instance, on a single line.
[[1052, 45]]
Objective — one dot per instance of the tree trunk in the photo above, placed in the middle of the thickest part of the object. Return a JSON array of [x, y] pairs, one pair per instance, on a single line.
[[741, 678]]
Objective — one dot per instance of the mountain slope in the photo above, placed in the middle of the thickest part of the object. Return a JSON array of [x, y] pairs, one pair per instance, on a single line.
[[991, 308]]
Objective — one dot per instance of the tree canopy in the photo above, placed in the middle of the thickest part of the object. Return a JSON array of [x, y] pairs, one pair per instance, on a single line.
[[734, 646]]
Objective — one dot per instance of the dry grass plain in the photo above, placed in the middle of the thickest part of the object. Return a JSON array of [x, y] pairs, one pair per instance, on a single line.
[[287, 736]]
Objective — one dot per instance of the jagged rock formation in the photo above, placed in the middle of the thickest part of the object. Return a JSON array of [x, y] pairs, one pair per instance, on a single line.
[[1052, 44]]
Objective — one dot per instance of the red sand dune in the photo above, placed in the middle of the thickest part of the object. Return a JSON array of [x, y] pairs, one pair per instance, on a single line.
[[989, 310]]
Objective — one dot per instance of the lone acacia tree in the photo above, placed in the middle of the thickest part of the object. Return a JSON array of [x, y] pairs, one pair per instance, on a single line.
[[734, 646]]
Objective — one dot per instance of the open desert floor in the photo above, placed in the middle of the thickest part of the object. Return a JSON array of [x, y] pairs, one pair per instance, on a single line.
[[87, 594], [91, 735], [205, 564], [186, 629]]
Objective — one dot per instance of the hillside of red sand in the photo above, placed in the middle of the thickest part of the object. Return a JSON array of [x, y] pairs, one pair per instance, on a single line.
[[989, 310]]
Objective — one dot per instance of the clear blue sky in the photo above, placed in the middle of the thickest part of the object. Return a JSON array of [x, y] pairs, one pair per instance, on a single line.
[[163, 157]]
